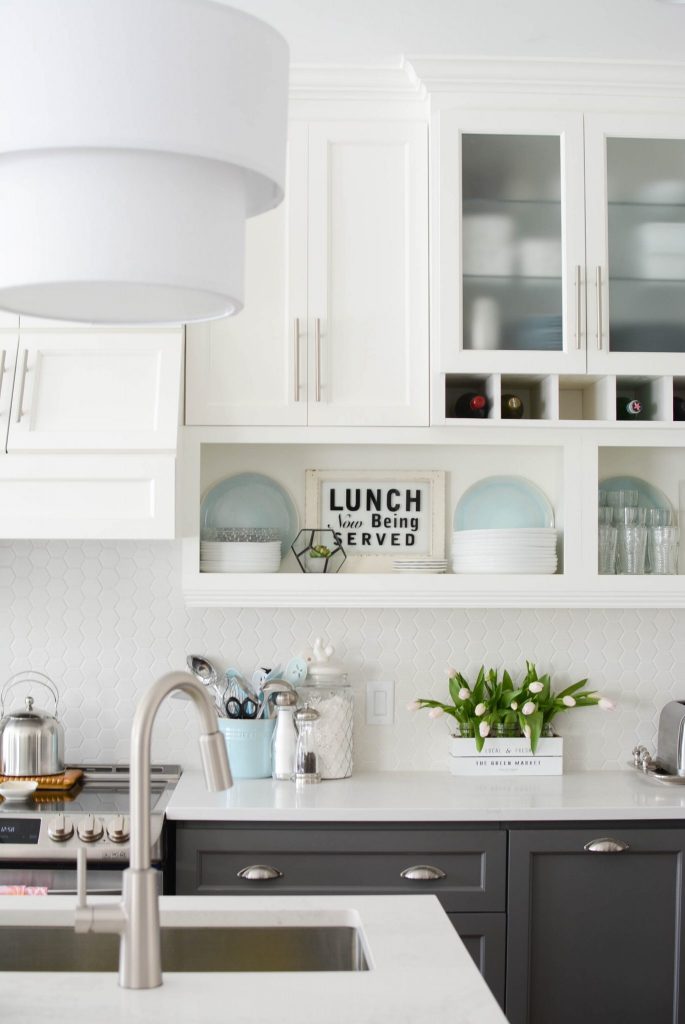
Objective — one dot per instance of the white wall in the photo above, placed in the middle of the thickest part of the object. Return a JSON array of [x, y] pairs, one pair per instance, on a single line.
[[104, 619]]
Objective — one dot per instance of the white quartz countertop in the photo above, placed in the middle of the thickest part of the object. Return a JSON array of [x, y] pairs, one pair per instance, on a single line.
[[420, 971], [434, 796]]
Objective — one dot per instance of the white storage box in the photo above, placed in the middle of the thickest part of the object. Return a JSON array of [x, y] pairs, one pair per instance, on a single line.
[[506, 756]]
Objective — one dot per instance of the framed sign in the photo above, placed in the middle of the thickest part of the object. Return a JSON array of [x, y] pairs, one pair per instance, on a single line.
[[377, 515]]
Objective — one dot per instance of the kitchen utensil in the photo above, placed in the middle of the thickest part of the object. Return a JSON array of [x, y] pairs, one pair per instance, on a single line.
[[296, 671], [503, 502], [208, 676], [236, 708], [250, 500], [15, 790], [306, 751], [31, 739]]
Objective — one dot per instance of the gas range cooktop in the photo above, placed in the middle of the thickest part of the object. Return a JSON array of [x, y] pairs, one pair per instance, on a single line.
[[93, 815]]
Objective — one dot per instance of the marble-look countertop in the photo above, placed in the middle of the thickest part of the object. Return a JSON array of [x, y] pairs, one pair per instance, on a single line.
[[420, 971], [434, 796]]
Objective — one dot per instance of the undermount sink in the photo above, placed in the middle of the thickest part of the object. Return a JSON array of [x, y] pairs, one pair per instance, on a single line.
[[287, 948]]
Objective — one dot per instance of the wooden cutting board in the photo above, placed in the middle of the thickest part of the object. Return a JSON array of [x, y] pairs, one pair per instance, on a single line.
[[62, 782]]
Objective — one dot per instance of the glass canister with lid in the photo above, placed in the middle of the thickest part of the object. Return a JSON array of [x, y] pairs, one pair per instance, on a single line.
[[327, 689]]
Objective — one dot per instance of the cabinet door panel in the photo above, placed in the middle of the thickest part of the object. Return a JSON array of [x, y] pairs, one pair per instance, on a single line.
[[595, 937], [635, 171], [508, 242], [8, 359], [484, 936], [368, 274], [93, 390], [252, 368]]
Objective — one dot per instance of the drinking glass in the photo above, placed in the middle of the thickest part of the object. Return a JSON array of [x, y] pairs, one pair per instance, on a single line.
[[608, 536], [660, 517], [630, 516], [663, 550], [621, 499], [631, 549], [606, 514]]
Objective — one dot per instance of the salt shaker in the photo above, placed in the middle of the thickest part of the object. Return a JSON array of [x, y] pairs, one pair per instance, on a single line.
[[306, 753], [284, 742]]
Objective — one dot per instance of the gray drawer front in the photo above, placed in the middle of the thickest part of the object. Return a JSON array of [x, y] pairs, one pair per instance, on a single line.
[[484, 936], [345, 861]]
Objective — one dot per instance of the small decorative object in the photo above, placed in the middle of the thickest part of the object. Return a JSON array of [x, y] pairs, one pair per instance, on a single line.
[[318, 551], [378, 515], [504, 728], [327, 691]]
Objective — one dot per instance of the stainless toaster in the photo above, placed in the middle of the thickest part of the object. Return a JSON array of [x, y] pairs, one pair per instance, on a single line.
[[670, 753]]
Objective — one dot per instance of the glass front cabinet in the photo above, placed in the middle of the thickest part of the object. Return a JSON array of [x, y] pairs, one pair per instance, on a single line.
[[558, 252]]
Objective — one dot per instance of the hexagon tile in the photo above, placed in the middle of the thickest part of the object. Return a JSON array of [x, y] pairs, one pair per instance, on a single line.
[[105, 619]]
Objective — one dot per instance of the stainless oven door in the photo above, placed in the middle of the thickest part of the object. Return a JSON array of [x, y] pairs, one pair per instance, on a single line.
[[60, 880]]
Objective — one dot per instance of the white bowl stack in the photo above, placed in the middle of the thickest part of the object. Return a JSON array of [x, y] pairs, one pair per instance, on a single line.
[[240, 556], [518, 551]]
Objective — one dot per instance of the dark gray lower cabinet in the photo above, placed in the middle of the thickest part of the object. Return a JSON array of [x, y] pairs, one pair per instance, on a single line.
[[595, 937], [356, 859]]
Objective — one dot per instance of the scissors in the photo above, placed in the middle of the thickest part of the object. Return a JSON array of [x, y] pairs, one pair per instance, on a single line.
[[236, 708]]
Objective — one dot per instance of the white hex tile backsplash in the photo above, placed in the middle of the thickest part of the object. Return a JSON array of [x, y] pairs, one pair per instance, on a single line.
[[105, 619]]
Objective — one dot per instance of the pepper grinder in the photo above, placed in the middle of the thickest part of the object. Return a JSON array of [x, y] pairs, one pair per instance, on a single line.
[[306, 753]]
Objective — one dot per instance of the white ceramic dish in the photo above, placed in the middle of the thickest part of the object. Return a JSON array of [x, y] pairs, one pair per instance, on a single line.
[[18, 790]]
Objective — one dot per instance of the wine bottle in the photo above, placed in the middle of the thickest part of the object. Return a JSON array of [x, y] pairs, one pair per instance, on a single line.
[[678, 408], [472, 406], [628, 408], [512, 407]]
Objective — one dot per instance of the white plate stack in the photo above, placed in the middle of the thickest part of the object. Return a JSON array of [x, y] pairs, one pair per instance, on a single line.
[[240, 556], [419, 565], [519, 551]]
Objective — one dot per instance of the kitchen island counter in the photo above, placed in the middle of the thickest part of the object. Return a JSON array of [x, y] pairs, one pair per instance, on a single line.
[[434, 796], [419, 969]]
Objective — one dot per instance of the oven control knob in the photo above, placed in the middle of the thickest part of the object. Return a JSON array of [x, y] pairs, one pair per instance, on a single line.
[[117, 829], [60, 829], [90, 829]]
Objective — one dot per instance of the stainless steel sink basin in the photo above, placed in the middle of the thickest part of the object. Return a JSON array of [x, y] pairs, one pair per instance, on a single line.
[[331, 948]]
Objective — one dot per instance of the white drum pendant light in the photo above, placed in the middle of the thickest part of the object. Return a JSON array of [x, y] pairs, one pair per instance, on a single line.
[[136, 136]]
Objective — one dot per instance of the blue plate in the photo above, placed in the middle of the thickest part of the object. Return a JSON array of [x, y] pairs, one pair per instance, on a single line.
[[648, 496], [503, 503], [251, 500]]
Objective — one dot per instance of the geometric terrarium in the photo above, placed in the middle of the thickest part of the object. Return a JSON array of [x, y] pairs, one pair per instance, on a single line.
[[318, 551]]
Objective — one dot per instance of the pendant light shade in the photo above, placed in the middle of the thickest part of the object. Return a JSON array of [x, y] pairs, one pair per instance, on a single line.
[[136, 136]]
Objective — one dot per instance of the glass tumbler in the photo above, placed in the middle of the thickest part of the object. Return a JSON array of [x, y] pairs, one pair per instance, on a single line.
[[663, 550], [631, 550], [608, 536], [660, 517], [630, 515], [605, 515], [621, 499]]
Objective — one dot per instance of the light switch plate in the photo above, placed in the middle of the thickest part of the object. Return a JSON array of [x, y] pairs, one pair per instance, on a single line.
[[380, 703]]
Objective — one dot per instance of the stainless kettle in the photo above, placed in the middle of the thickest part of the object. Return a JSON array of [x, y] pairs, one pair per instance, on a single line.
[[31, 740]]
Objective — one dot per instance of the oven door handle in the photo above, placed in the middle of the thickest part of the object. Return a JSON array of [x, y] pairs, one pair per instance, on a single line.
[[91, 892]]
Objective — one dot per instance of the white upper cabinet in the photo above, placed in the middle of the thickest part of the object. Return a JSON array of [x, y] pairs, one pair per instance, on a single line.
[[368, 273], [635, 181], [508, 242], [252, 368], [335, 325], [96, 390], [8, 321]]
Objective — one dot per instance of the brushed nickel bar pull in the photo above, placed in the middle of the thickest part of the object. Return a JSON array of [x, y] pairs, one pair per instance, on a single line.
[[317, 359], [22, 381], [600, 324], [296, 335], [423, 873], [2, 369], [606, 845], [579, 306]]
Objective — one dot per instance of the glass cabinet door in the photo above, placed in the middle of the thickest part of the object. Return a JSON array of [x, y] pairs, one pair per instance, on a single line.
[[636, 244], [512, 243]]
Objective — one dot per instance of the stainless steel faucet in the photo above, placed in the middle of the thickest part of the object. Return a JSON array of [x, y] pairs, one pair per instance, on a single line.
[[136, 918]]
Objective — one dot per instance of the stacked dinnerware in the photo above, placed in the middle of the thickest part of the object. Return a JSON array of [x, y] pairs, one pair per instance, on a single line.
[[513, 550], [240, 550], [419, 565]]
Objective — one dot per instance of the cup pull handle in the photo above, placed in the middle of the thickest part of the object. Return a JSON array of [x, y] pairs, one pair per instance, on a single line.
[[259, 873], [606, 845], [423, 873]]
